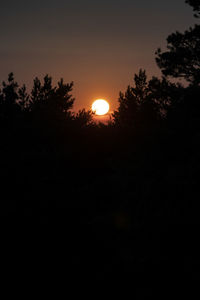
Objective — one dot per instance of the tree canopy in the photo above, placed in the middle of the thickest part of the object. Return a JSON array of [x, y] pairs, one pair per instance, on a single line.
[[196, 6], [182, 58], [146, 102]]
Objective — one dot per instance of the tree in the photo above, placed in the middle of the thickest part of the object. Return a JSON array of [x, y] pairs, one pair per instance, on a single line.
[[50, 104], [182, 60], [9, 99], [84, 118], [196, 6], [136, 107], [165, 95], [41, 93], [23, 100], [63, 98], [125, 115]]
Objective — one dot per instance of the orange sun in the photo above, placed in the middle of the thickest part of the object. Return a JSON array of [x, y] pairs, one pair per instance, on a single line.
[[100, 107]]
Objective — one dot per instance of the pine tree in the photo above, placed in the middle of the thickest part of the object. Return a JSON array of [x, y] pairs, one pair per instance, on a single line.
[[182, 59]]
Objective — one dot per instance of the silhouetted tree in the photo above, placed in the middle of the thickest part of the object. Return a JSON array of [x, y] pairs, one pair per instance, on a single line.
[[140, 106], [36, 92], [41, 93], [8, 99], [127, 113], [24, 98], [196, 6], [182, 60], [84, 118], [63, 98], [51, 105], [10, 90], [165, 94]]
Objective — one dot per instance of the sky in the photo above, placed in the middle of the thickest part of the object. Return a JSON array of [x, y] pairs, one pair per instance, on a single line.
[[99, 45]]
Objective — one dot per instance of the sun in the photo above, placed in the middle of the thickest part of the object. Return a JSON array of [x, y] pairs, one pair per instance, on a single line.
[[100, 107]]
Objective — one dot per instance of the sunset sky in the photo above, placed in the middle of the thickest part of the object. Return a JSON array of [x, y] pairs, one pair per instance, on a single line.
[[97, 44]]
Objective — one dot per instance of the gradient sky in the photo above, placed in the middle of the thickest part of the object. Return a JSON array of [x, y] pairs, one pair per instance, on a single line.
[[97, 44]]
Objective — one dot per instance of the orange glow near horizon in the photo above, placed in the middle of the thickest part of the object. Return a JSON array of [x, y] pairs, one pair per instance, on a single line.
[[100, 107]]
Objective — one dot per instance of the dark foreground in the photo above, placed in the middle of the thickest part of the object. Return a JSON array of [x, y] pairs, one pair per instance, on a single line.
[[97, 208]]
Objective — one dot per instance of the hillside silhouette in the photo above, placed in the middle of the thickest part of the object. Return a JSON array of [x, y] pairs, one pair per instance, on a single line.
[[118, 200]]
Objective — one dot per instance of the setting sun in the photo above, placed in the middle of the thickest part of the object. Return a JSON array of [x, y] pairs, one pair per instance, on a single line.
[[100, 107]]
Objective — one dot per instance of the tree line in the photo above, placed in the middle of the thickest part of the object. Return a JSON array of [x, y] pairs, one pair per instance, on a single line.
[[143, 105]]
